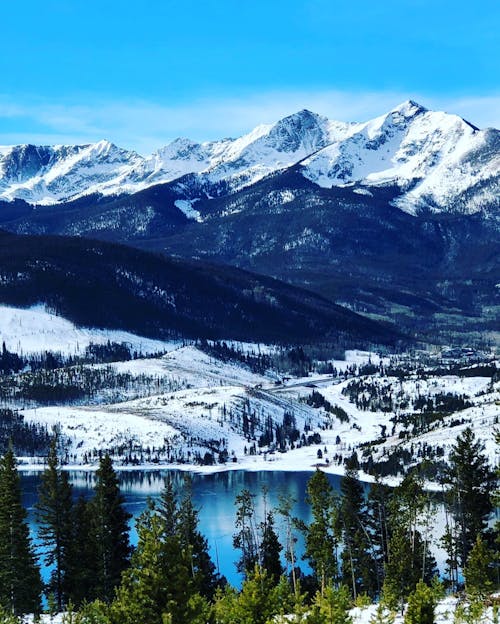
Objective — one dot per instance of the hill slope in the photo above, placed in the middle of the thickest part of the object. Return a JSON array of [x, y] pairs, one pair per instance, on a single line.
[[98, 284]]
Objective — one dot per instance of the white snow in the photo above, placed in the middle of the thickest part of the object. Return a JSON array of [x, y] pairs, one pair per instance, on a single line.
[[434, 157], [186, 206], [37, 329]]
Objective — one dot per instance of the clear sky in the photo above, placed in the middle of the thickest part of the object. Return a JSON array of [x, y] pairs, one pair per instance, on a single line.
[[142, 73]]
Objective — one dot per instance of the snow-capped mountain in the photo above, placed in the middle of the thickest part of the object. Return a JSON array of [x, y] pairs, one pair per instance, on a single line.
[[437, 160]]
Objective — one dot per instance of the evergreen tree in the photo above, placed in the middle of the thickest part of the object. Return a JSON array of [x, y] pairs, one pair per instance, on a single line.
[[321, 537], [259, 601], [203, 571], [110, 530], [471, 482], [421, 605], [246, 538], [358, 569], [83, 586], [158, 587], [409, 559], [332, 606], [270, 549], [20, 582], [54, 514], [478, 570], [378, 506]]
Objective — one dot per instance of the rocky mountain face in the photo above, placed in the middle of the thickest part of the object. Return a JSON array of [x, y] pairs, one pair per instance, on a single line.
[[437, 161], [397, 217]]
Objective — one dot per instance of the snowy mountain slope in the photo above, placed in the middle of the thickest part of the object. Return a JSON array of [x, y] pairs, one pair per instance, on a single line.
[[437, 160], [434, 158], [208, 416], [46, 175], [36, 329]]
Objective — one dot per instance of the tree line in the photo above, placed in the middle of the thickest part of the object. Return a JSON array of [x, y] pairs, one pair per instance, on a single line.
[[359, 547]]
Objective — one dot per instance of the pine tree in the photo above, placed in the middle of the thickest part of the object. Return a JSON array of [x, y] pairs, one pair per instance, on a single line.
[[421, 605], [359, 569], [478, 570], [205, 577], [259, 601], [471, 482], [158, 586], [321, 538], [20, 582], [83, 585], [270, 549], [378, 504], [110, 530], [54, 514], [409, 559], [246, 539], [332, 605]]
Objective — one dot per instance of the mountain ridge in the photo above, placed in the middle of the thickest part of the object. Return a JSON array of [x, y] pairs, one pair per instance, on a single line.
[[433, 158]]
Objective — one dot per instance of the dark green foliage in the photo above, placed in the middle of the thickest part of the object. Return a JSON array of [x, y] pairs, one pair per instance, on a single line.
[[203, 571], [421, 605], [270, 549], [83, 554], [20, 582], [316, 399], [55, 517], [321, 538], [158, 582], [259, 600], [470, 482], [171, 574], [9, 362], [106, 285], [478, 571], [409, 560], [246, 539], [26, 438], [378, 522], [359, 570], [110, 531], [331, 606]]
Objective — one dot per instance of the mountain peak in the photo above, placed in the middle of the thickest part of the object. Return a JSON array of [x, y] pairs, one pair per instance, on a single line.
[[409, 108]]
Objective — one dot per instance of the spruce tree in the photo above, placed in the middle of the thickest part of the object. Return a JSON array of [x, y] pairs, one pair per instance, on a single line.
[[478, 571], [246, 538], [83, 586], [203, 571], [332, 606], [321, 537], [378, 513], [158, 586], [359, 571], [20, 582], [55, 518], [470, 481], [270, 549], [110, 530], [421, 605]]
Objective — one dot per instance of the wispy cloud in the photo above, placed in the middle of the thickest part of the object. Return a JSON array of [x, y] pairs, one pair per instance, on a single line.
[[145, 126]]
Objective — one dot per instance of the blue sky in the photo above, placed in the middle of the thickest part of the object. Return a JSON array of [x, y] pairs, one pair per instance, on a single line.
[[141, 74]]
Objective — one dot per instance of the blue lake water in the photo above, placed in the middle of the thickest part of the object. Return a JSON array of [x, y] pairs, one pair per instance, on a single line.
[[213, 494]]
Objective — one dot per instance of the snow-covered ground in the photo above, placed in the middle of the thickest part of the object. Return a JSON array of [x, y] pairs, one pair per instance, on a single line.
[[37, 329], [186, 403], [444, 614]]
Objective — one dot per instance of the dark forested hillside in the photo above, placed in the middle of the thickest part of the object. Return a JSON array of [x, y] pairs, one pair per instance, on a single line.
[[100, 284]]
